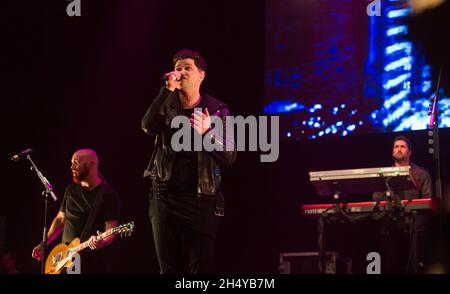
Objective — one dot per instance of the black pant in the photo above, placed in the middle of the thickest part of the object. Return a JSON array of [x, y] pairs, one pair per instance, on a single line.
[[403, 244], [183, 236]]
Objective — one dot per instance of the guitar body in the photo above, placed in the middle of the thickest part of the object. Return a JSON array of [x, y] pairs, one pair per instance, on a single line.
[[61, 256], [58, 253]]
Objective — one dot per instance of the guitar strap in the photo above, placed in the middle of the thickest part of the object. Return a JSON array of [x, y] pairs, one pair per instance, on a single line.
[[85, 234]]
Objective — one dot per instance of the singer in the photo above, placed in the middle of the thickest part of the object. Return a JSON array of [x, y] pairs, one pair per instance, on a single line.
[[185, 198], [88, 194]]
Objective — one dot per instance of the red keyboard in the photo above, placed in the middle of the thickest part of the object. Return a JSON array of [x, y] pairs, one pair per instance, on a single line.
[[357, 207]]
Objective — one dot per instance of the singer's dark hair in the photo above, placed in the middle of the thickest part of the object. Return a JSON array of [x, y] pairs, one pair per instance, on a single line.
[[185, 53], [403, 138]]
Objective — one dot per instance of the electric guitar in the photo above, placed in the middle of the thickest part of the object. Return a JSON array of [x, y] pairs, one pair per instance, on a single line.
[[61, 256]]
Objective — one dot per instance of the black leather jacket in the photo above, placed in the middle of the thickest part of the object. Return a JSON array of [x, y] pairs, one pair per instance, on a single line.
[[156, 121]]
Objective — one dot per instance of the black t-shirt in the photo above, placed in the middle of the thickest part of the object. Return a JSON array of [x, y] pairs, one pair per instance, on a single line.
[[184, 178], [77, 204]]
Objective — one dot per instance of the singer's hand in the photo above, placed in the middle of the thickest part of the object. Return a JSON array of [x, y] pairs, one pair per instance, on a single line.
[[173, 81], [201, 122]]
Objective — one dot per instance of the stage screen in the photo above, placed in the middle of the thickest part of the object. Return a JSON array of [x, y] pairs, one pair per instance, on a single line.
[[333, 70]]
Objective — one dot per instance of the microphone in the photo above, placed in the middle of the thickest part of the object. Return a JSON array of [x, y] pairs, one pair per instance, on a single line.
[[432, 112], [22, 154], [432, 109], [171, 76]]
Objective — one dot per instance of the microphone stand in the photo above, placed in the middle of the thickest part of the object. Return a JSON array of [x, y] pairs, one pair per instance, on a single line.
[[48, 191], [433, 141]]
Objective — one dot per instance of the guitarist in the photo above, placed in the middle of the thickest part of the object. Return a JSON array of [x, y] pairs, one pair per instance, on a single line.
[[89, 199]]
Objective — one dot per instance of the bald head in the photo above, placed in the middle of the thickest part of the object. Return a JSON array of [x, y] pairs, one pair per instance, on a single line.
[[84, 165], [87, 155]]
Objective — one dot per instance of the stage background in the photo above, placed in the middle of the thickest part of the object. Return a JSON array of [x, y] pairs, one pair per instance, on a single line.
[[70, 83]]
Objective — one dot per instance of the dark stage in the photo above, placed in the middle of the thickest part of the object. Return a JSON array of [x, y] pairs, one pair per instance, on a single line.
[[85, 82]]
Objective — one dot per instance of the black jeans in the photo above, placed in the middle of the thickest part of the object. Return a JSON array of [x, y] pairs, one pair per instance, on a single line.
[[403, 245], [183, 231]]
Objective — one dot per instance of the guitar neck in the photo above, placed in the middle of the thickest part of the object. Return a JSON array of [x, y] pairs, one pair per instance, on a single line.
[[100, 237]]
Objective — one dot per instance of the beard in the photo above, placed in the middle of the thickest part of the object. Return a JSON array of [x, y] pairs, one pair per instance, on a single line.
[[400, 157], [80, 175]]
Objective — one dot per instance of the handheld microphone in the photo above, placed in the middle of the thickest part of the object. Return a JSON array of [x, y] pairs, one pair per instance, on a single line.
[[22, 154], [171, 76]]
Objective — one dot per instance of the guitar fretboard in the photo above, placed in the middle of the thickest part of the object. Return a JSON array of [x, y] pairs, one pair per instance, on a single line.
[[85, 244]]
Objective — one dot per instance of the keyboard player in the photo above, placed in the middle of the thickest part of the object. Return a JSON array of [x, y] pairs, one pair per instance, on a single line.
[[401, 153], [402, 241]]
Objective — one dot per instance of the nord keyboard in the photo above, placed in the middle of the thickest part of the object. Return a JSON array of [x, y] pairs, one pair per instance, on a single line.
[[362, 180], [361, 207]]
